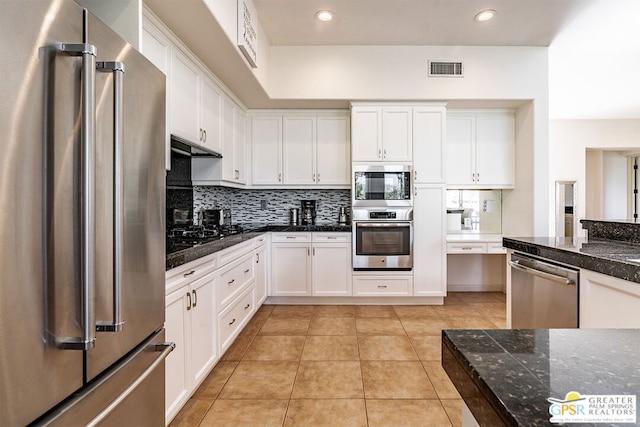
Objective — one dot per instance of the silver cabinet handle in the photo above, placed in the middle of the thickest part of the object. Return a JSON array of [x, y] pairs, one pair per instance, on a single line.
[[308, 252], [257, 258], [232, 322], [247, 306], [117, 70], [189, 301], [332, 238], [415, 191], [189, 273], [379, 153], [382, 286], [280, 177], [314, 251], [87, 244], [247, 270], [291, 237], [195, 298], [200, 136], [318, 177], [313, 177], [384, 153], [204, 133], [231, 282]]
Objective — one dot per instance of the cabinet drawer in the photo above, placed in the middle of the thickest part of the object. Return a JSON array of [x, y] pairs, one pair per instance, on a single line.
[[234, 278], [180, 276], [291, 237], [232, 320], [382, 286], [230, 254], [331, 237], [260, 240], [496, 248], [466, 248]]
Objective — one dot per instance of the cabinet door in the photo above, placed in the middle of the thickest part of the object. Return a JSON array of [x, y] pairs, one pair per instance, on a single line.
[[240, 146], [203, 331], [266, 150], [228, 139], [429, 241], [291, 269], [176, 330], [366, 134], [261, 274], [333, 160], [331, 269], [211, 116], [428, 144], [157, 48], [298, 142], [185, 97], [460, 158], [495, 150], [397, 132]]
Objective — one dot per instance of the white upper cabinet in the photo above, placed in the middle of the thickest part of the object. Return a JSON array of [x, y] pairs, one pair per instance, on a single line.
[[266, 149], [185, 90], [211, 112], [333, 151], [156, 46], [480, 149], [300, 150], [381, 133], [429, 125]]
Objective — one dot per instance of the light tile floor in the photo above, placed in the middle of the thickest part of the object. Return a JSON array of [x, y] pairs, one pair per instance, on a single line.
[[341, 366]]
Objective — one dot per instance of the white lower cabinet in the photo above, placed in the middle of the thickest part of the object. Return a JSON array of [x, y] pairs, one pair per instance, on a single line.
[[306, 264], [608, 302], [208, 302], [387, 286], [429, 241], [190, 314], [262, 271]]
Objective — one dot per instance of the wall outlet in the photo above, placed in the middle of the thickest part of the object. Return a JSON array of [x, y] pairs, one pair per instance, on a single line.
[[263, 205]]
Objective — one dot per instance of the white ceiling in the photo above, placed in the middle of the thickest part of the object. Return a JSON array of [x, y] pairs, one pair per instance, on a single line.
[[594, 45], [416, 22]]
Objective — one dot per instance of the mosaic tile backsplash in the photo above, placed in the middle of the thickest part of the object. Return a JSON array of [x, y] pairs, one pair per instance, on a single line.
[[247, 205]]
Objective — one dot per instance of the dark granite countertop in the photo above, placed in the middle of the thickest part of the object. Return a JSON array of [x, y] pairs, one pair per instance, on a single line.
[[250, 230], [506, 376], [611, 257]]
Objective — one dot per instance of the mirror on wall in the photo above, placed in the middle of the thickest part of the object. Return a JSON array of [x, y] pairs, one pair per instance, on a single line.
[[474, 211], [566, 202]]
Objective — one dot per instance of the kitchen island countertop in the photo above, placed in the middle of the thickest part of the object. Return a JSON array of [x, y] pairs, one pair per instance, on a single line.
[[507, 376]]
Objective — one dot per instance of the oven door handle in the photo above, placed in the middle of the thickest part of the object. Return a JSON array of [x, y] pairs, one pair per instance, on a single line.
[[383, 224]]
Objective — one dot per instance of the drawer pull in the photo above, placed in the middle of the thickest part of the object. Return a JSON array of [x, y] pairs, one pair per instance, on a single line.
[[189, 273], [382, 286], [195, 298], [291, 237], [247, 270], [332, 238], [232, 322], [189, 301], [231, 282], [247, 306], [467, 248]]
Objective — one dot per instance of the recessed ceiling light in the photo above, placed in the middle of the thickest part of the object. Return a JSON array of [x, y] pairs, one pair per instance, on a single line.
[[324, 15], [485, 15]]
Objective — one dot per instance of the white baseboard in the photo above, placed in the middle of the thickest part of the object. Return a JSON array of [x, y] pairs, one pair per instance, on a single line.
[[356, 300]]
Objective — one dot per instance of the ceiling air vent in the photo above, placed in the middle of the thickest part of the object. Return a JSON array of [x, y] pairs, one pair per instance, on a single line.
[[445, 69]]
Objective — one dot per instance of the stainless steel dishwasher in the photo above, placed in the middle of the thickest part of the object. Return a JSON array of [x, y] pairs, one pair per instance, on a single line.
[[543, 294]]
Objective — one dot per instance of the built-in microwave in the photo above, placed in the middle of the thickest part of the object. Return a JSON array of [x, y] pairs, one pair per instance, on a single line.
[[381, 185]]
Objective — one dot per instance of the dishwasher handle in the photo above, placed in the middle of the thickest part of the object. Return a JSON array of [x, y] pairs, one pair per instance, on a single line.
[[544, 275]]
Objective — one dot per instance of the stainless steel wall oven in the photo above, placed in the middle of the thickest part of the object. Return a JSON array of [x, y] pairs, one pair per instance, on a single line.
[[383, 238]]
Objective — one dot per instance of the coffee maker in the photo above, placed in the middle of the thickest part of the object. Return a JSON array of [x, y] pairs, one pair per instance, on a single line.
[[308, 213]]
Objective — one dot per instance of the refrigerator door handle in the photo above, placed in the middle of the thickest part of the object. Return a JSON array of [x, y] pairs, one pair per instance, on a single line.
[[117, 69], [88, 338], [165, 348]]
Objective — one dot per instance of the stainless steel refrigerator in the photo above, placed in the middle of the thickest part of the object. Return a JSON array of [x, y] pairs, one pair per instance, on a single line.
[[81, 222]]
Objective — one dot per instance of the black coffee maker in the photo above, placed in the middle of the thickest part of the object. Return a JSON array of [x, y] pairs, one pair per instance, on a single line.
[[308, 212]]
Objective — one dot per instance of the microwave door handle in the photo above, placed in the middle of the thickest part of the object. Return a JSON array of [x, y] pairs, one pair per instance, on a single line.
[[117, 70]]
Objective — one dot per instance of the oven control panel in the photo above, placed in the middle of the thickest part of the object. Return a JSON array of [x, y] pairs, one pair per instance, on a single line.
[[383, 215]]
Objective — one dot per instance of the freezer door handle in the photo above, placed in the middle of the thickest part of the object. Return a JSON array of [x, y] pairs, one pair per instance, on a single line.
[[544, 275], [165, 348], [87, 311], [117, 69]]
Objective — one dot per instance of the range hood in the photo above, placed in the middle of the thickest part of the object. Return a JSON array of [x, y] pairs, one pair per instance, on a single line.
[[187, 148]]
